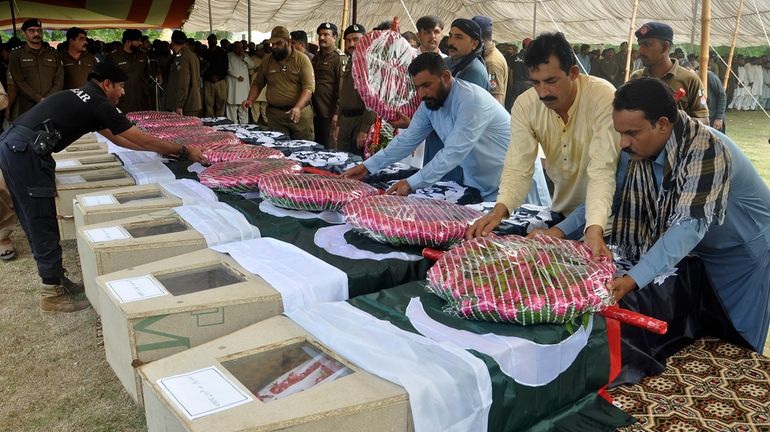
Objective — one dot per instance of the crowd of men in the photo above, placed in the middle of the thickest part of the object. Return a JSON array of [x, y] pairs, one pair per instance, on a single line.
[[634, 161]]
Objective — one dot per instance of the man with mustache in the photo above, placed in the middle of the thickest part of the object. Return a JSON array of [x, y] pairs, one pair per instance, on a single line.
[[289, 74], [136, 65], [473, 126], [36, 70], [183, 92], [327, 67], [655, 39], [569, 114], [685, 188], [77, 62]]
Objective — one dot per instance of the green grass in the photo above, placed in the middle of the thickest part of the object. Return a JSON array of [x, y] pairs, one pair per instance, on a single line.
[[751, 131]]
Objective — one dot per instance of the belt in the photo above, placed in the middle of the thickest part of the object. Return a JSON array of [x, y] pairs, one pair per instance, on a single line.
[[352, 112], [23, 131], [282, 108]]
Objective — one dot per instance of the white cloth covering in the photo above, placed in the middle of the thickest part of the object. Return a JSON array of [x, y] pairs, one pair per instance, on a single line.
[[145, 173], [189, 191], [302, 279], [449, 389], [217, 222], [326, 216], [526, 362], [332, 240]]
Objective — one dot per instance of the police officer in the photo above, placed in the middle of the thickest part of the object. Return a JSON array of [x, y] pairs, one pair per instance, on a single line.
[[289, 75], [136, 65], [353, 119], [183, 92], [28, 167], [327, 66], [655, 39], [76, 61], [35, 70]]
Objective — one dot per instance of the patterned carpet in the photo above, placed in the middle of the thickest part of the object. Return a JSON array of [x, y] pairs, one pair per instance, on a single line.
[[709, 386]]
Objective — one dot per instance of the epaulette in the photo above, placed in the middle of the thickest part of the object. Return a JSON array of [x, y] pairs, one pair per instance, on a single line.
[[340, 52]]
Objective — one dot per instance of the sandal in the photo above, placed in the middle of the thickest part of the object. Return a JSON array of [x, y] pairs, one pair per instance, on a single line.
[[7, 253]]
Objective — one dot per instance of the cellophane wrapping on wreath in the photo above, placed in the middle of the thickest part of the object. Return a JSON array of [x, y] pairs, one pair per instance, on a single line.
[[235, 152], [521, 280], [172, 132], [245, 175], [139, 116], [378, 141], [213, 140], [380, 74], [313, 192], [167, 122], [409, 221]]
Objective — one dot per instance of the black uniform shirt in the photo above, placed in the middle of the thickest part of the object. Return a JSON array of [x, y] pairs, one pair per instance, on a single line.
[[76, 112]]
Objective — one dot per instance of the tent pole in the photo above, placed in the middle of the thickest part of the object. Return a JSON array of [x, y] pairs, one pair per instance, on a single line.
[[534, 22], [344, 24], [631, 39], [705, 32], [694, 23], [211, 25], [732, 46], [248, 19], [354, 18], [13, 17]]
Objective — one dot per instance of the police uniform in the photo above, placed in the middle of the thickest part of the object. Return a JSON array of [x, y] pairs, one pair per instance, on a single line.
[[36, 73], [352, 116], [497, 67], [31, 178], [327, 67], [76, 70], [184, 83], [693, 102], [286, 80], [137, 66]]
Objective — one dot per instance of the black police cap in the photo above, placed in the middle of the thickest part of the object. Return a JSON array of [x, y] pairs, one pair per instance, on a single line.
[[106, 70], [355, 28], [655, 30], [327, 26], [132, 35], [178, 37], [32, 22]]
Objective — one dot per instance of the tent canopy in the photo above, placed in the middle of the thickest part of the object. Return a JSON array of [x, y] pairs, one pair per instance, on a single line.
[[90, 14], [582, 21]]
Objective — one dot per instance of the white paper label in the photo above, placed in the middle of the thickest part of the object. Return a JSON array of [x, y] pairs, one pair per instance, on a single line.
[[69, 163], [98, 200], [138, 288], [70, 179], [100, 235], [203, 392]]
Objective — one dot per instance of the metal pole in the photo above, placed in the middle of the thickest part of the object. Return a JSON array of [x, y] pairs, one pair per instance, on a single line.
[[211, 24], [534, 22], [354, 18], [631, 29], [13, 16], [705, 32], [248, 22], [732, 46]]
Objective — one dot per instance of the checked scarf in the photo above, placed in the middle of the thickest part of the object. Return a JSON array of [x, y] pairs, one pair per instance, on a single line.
[[696, 182]]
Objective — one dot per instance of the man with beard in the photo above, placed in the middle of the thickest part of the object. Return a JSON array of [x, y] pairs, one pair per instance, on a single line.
[[289, 76], [473, 125], [136, 65], [28, 167], [35, 70], [327, 67], [684, 188], [76, 61], [655, 41], [569, 114], [353, 119], [183, 92], [240, 64]]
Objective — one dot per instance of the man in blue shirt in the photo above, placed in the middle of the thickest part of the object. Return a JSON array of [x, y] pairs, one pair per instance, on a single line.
[[683, 188], [474, 127]]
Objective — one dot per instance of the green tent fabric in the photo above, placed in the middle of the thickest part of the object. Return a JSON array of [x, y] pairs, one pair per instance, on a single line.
[[569, 403]]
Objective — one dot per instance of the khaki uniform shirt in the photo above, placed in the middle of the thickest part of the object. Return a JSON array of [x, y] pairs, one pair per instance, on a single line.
[[694, 102], [497, 68], [287, 79], [327, 67], [36, 73], [582, 154], [350, 100], [184, 82], [76, 71], [138, 90]]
